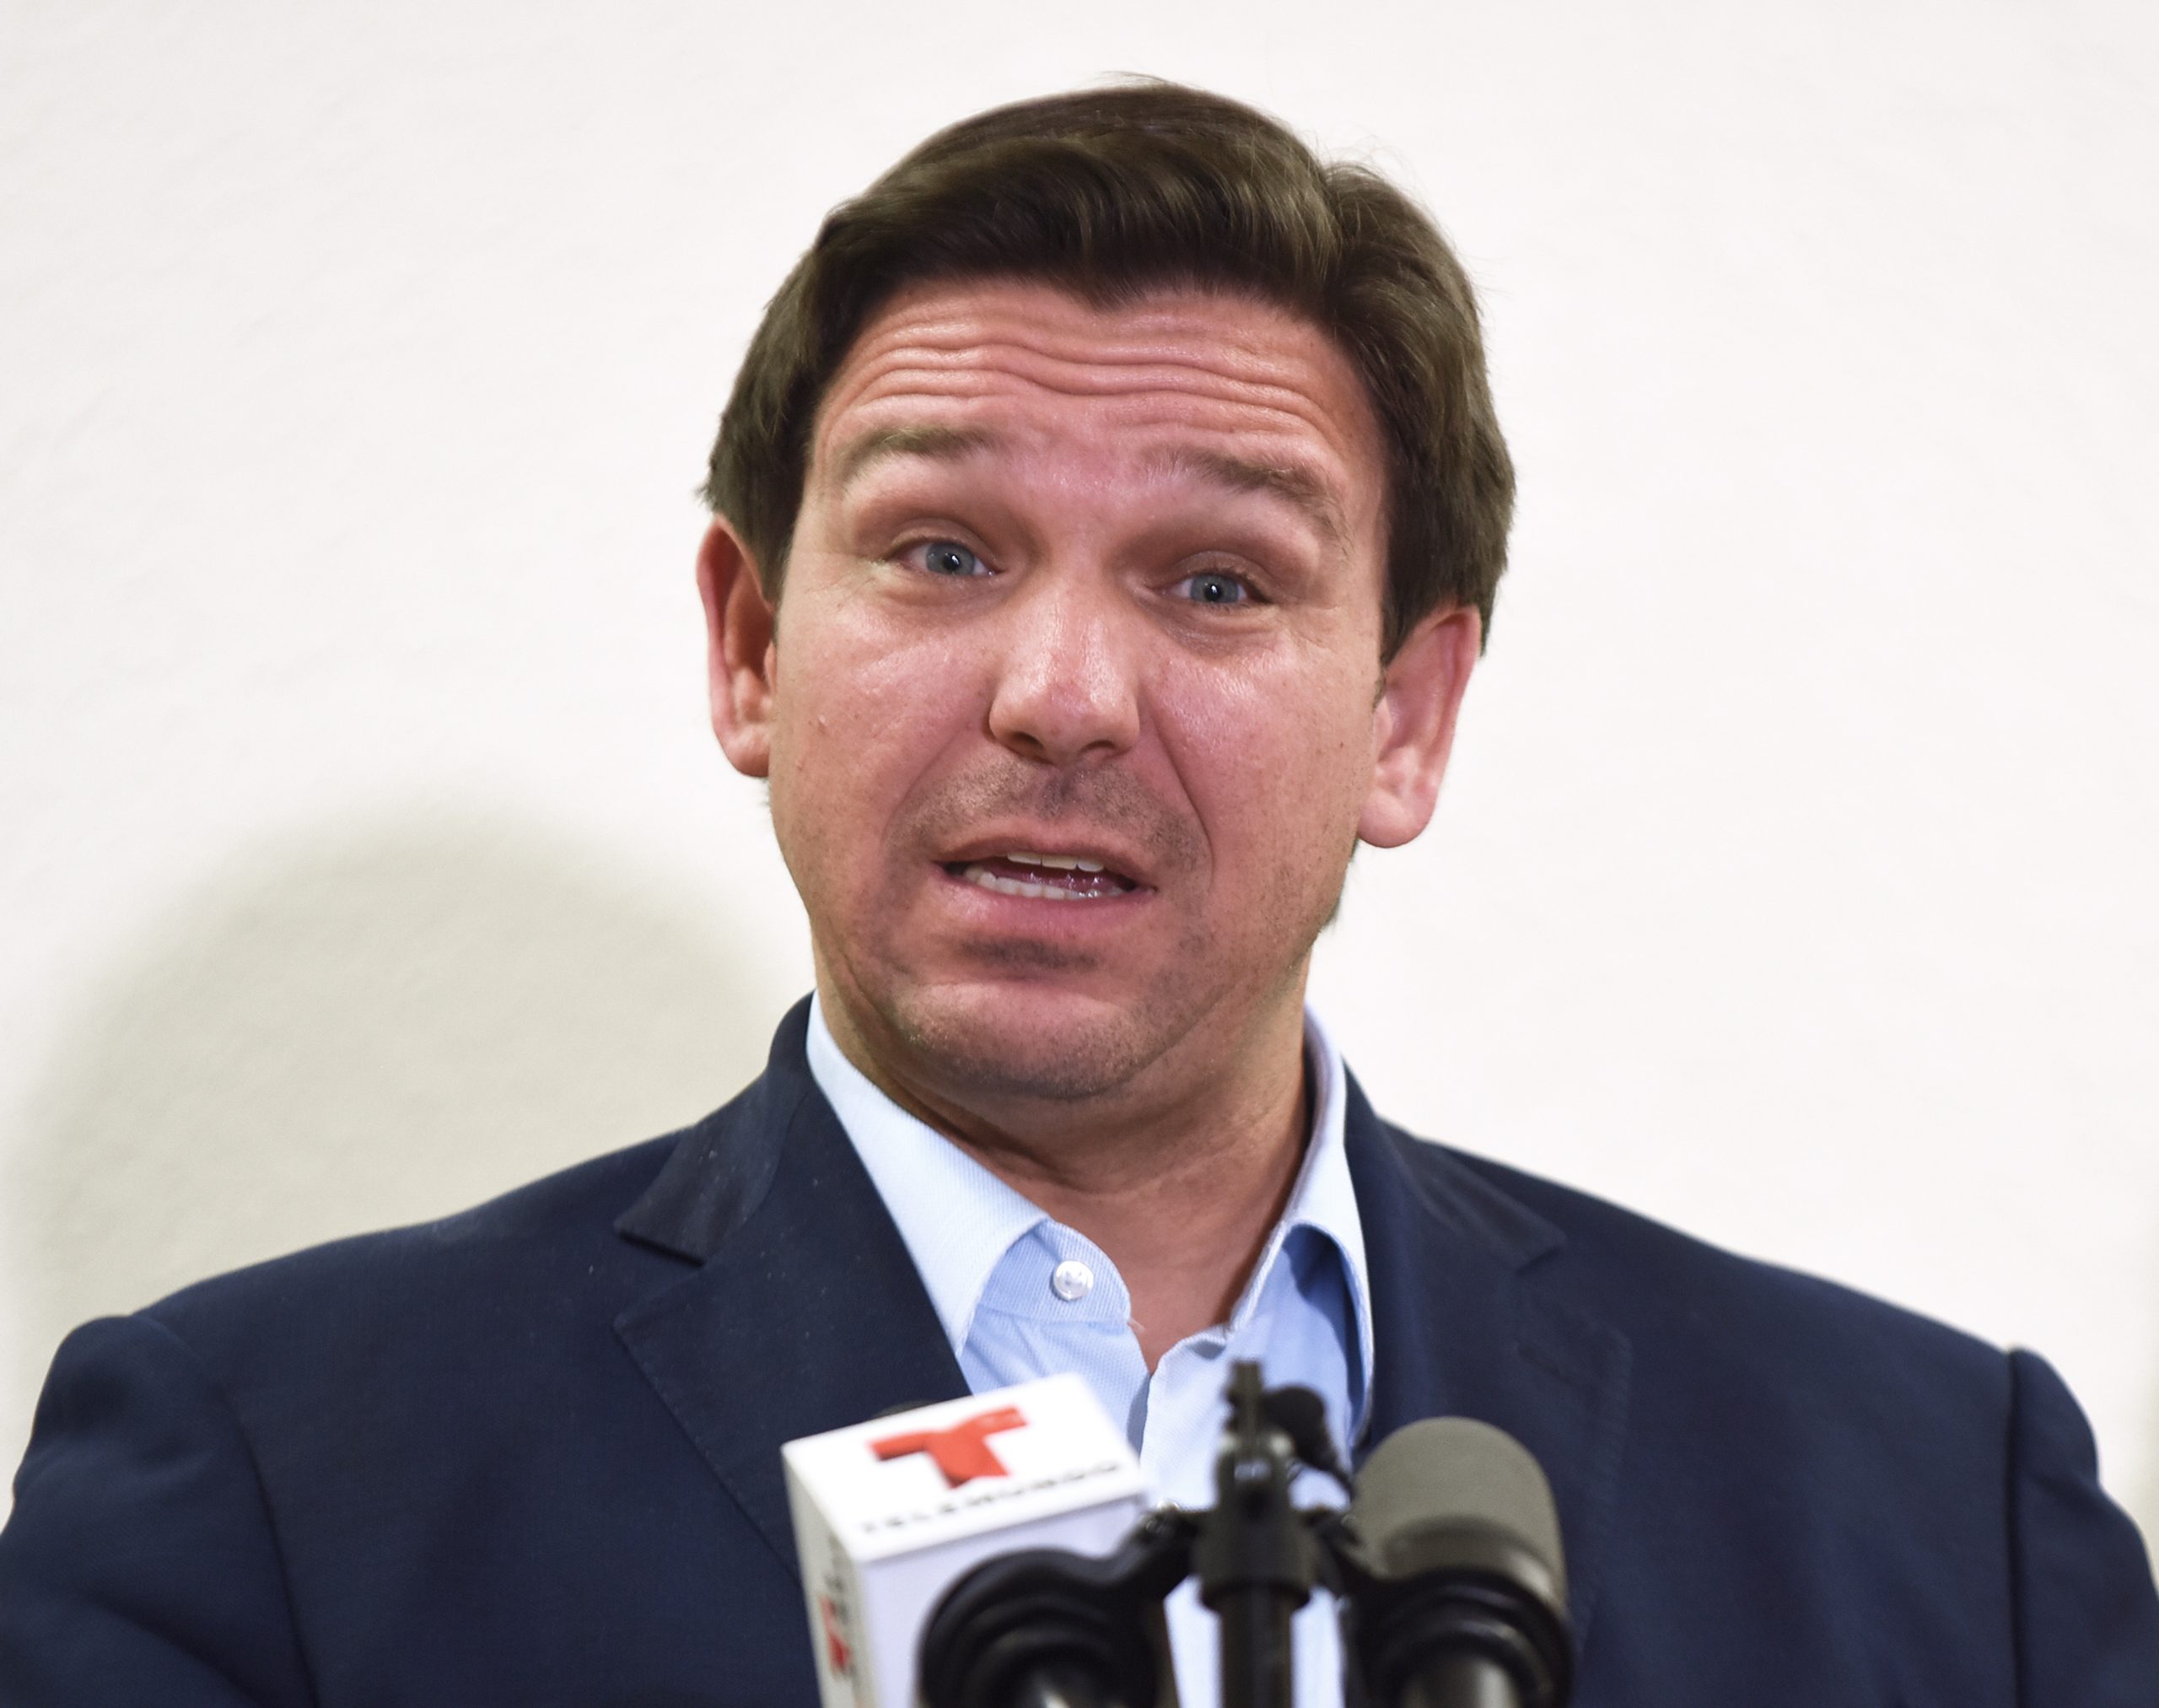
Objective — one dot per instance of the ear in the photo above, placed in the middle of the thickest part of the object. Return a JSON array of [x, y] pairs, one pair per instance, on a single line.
[[1413, 724], [741, 663]]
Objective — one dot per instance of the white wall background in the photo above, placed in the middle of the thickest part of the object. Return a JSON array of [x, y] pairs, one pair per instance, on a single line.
[[366, 851]]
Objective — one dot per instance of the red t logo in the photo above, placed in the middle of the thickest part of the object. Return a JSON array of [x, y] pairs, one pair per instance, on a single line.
[[963, 1452], [838, 1655]]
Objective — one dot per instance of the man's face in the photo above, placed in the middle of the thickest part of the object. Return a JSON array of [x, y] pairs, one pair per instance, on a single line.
[[1075, 702]]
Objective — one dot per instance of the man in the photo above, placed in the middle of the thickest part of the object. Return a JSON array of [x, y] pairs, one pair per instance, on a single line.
[[1108, 520]]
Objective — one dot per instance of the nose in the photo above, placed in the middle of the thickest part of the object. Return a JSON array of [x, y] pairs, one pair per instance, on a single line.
[[1068, 689]]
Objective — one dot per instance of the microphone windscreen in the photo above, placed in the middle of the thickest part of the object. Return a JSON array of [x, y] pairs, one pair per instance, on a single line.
[[1441, 1494]]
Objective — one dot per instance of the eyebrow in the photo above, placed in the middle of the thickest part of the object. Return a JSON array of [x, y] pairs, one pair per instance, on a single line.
[[1298, 486], [938, 444]]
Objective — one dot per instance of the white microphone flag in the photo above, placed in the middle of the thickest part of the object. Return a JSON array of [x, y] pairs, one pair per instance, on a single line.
[[889, 1514]]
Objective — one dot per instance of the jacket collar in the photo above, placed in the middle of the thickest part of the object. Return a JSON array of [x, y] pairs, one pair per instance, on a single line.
[[805, 1312]]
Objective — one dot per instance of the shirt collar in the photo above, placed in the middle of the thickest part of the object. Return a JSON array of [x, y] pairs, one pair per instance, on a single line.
[[958, 1220], [1325, 1200], [955, 1217]]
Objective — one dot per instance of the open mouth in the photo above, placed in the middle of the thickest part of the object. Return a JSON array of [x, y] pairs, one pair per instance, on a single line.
[[1045, 877]]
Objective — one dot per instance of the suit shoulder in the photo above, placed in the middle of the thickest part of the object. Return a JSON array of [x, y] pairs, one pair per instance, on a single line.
[[1665, 1285], [522, 1244]]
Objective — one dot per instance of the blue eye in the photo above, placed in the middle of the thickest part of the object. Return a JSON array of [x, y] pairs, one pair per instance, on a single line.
[[949, 557], [1215, 587]]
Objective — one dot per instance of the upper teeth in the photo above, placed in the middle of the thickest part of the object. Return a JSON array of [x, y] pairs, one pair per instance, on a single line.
[[1064, 863]]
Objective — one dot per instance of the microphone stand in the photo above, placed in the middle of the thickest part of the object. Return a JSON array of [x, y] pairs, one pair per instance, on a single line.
[[1256, 1556]]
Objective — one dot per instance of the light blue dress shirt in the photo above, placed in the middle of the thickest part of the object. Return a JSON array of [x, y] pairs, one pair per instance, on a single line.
[[1022, 1295]]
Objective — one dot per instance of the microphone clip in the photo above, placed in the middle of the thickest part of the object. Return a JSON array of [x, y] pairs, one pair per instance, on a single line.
[[1256, 1556]]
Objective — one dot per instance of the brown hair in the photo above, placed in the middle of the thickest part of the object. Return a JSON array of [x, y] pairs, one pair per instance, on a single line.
[[1111, 193]]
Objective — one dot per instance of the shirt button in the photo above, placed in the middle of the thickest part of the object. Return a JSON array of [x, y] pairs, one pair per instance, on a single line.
[[1072, 1280]]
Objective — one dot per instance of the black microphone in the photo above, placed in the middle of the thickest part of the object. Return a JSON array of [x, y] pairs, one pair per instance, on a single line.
[[1049, 1628], [1466, 1603]]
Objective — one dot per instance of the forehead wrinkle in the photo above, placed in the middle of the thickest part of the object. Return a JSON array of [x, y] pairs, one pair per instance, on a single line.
[[1243, 349], [1093, 371], [1035, 316], [1293, 412], [896, 381]]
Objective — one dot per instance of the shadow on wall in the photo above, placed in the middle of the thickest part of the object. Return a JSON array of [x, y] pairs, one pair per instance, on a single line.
[[356, 1032], [2142, 1503]]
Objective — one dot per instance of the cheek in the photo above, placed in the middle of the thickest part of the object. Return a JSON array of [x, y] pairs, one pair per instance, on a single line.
[[1278, 763], [862, 712]]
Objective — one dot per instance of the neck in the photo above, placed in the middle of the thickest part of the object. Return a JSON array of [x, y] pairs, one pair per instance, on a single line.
[[1179, 1186]]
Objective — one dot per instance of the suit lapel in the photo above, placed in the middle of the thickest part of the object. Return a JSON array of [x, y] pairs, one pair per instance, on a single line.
[[1463, 1327], [806, 1313]]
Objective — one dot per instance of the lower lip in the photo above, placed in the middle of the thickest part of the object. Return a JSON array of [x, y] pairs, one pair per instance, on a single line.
[[1043, 913]]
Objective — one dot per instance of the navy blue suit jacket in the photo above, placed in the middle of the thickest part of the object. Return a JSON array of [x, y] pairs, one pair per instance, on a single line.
[[530, 1455]]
